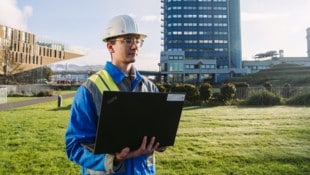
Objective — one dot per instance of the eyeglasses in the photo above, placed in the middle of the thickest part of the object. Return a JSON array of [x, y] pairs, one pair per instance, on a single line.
[[130, 41]]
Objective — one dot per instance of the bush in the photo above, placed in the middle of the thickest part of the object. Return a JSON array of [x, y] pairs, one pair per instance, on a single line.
[[228, 91], [264, 97], [161, 87], [300, 99], [190, 90], [164, 87], [205, 91], [44, 94]]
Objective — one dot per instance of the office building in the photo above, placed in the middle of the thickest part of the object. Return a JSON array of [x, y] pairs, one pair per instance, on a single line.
[[22, 51], [201, 40]]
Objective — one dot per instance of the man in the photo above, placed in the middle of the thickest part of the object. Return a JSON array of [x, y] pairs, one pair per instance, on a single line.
[[123, 42]]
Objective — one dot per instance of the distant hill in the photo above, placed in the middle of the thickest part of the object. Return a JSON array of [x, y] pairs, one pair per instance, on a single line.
[[279, 75], [74, 67]]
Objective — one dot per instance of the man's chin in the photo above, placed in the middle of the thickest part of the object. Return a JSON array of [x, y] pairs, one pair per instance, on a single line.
[[131, 60]]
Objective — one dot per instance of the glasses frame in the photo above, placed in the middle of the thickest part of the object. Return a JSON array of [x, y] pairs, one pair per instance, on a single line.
[[130, 41]]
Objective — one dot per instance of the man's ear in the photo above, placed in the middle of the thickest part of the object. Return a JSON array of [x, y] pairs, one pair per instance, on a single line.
[[110, 47]]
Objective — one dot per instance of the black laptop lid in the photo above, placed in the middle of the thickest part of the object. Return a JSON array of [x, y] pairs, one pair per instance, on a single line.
[[128, 116]]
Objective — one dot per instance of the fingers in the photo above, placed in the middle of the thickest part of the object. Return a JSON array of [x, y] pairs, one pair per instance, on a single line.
[[143, 149], [122, 155], [152, 146]]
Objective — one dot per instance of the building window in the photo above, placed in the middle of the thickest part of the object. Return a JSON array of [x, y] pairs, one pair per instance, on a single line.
[[175, 67]]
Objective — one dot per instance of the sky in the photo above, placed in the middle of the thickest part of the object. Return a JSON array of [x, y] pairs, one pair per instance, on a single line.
[[79, 24]]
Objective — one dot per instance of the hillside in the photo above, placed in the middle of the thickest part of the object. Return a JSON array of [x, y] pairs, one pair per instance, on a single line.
[[279, 75]]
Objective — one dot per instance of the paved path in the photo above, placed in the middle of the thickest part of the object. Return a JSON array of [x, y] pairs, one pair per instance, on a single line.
[[11, 105]]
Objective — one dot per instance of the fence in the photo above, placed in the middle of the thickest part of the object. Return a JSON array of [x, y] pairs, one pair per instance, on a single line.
[[3, 95], [286, 92]]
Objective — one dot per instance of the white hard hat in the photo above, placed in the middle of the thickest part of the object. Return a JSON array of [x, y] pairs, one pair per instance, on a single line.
[[121, 25]]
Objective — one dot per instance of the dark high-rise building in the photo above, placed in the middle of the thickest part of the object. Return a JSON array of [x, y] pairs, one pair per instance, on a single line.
[[201, 40]]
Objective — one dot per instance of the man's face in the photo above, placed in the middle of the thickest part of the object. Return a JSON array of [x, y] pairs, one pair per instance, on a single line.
[[124, 49]]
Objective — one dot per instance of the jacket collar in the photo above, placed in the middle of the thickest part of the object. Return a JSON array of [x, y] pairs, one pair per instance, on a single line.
[[118, 75]]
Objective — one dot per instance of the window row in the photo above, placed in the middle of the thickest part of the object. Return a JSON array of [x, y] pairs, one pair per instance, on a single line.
[[43, 51], [195, 8], [175, 57], [198, 41], [198, 24], [197, 66], [204, 33], [194, 33], [17, 35], [196, 0], [19, 57], [204, 16]]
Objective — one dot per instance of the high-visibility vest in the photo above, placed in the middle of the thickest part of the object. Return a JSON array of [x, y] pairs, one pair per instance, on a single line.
[[103, 81]]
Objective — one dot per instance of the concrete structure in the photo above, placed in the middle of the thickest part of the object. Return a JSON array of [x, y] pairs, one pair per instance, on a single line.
[[201, 40], [254, 66], [257, 65], [21, 51]]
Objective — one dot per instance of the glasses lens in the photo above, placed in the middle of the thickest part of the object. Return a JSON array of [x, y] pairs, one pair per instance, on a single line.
[[130, 41]]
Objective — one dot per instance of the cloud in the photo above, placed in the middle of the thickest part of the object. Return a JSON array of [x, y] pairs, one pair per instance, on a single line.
[[12, 16]]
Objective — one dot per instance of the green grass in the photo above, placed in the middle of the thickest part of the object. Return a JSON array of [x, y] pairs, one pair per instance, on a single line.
[[32, 140], [217, 140], [234, 140]]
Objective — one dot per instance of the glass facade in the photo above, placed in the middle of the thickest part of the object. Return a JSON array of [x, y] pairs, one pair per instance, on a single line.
[[203, 29]]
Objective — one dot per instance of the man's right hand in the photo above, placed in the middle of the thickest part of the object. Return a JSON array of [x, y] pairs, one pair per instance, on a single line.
[[143, 149]]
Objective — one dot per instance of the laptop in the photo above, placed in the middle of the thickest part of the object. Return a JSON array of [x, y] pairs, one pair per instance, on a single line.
[[126, 117]]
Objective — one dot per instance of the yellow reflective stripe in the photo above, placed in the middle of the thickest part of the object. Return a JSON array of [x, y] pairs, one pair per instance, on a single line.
[[98, 82], [104, 81], [108, 79]]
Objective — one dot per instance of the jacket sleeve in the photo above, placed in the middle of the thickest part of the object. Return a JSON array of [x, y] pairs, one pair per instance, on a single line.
[[82, 127]]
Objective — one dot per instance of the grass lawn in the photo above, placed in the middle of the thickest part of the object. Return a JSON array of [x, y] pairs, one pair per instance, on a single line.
[[214, 140]]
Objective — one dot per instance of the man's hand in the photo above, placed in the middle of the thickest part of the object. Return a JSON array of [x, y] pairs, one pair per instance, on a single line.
[[161, 149], [143, 149]]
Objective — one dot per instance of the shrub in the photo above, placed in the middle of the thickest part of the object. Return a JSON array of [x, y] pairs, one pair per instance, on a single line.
[[228, 91], [44, 93], [190, 90], [264, 97], [205, 91], [299, 99], [161, 87]]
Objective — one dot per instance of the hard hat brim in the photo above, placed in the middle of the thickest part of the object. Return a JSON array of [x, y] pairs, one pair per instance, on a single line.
[[141, 36]]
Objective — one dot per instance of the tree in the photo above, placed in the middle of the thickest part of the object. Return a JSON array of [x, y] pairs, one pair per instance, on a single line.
[[10, 65]]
